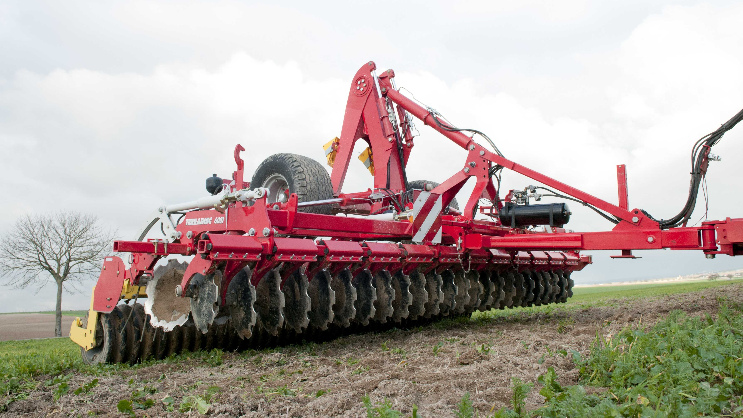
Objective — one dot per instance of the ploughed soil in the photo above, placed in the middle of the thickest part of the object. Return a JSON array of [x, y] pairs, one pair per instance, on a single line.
[[431, 367], [34, 325]]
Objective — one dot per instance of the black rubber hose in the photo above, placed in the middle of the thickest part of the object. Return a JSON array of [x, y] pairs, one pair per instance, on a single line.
[[698, 157]]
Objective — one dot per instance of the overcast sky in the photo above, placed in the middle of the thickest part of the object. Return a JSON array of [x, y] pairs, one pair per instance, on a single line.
[[115, 108]]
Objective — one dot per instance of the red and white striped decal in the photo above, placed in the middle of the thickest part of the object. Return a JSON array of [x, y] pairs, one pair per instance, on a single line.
[[427, 218]]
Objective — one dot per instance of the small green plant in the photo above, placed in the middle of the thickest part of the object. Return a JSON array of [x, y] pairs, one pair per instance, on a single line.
[[382, 410], [484, 348], [360, 370], [214, 357], [125, 407], [285, 391], [198, 403], [87, 387], [399, 351], [194, 403], [520, 391], [465, 408], [61, 385], [168, 403], [320, 392], [437, 348]]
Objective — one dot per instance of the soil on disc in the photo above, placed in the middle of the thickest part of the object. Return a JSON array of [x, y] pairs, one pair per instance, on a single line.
[[431, 367]]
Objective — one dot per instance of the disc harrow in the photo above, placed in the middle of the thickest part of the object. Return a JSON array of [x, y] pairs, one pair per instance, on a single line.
[[288, 256], [303, 310]]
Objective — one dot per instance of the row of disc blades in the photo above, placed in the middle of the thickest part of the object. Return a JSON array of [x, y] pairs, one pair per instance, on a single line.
[[288, 306]]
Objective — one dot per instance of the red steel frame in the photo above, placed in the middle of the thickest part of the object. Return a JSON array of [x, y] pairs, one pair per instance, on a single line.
[[264, 237]]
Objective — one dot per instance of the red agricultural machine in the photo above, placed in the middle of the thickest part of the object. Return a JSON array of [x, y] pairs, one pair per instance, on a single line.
[[289, 256]]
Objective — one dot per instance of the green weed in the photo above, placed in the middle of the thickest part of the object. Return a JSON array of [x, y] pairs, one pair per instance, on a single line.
[[86, 387], [381, 410], [465, 408], [682, 366], [199, 403]]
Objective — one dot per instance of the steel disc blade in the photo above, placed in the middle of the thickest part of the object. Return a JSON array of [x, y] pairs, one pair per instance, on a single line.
[[449, 289], [538, 287], [434, 283], [382, 283], [509, 288], [462, 296], [366, 295], [500, 289], [475, 290], [487, 298], [167, 310], [519, 289], [403, 297], [546, 282], [419, 295], [269, 303], [344, 308], [204, 295], [322, 299], [297, 301], [240, 300]]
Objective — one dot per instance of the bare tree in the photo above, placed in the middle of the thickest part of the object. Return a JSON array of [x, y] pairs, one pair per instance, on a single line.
[[67, 247]]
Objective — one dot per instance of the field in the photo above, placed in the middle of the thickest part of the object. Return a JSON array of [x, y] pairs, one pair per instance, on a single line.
[[615, 350]]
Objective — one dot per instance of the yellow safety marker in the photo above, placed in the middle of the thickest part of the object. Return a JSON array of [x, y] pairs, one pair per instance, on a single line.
[[331, 149], [368, 160]]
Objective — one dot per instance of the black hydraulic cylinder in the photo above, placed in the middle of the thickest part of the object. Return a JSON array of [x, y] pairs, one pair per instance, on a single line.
[[516, 216]]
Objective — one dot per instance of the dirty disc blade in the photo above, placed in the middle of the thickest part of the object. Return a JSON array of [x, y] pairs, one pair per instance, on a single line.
[[240, 299], [204, 294], [167, 310]]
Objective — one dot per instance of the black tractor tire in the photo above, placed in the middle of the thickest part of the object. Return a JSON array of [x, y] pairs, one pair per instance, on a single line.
[[303, 176], [421, 185]]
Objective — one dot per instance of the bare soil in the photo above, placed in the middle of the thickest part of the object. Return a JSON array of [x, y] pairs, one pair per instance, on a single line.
[[29, 326], [402, 366]]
